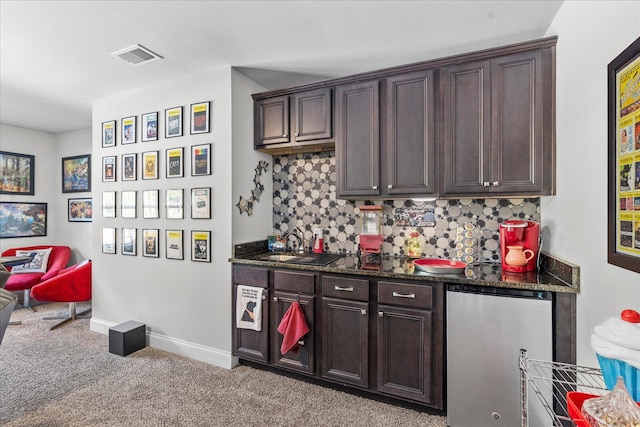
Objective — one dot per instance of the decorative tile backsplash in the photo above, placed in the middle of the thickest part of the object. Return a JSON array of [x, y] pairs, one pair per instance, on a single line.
[[304, 195]]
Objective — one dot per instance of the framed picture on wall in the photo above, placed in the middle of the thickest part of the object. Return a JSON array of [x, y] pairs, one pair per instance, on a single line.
[[150, 243], [201, 160], [201, 246], [17, 173], [129, 167], [76, 174], [175, 204], [80, 210], [150, 204], [109, 240], [200, 117], [109, 169], [175, 162], [19, 219], [128, 203], [201, 203], [174, 248], [129, 130], [623, 205], [173, 122], [108, 204], [149, 129], [150, 165], [109, 134], [128, 241]]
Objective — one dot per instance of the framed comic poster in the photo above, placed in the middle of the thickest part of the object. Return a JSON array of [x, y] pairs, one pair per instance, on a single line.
[[173, 240], [201, 246], [150, 243], [76, 174], [80, 210], [150, 165], [128, 204], [109, 169], [175, 204], [128, 241], [173, 122], [109, 134], [149, 128], [128, 130], [200, 117], [201, 160], [108, 204], [129, 167], [109, 240], [17, 171], [624, 159], [150, 204], [201, 203], [20, 219], [175, 162]]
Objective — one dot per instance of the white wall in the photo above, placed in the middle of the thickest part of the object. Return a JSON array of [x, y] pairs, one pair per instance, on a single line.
[[185, 305], [48, 181], [591, 34], [257, 226], [76, 235]]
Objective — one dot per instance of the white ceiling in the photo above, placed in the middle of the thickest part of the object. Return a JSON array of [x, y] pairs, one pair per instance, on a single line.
[[55, 55]]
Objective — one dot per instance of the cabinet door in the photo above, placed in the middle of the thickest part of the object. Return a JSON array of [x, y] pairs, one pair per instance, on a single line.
[[357, 140], [410, 149], [404, 339], [271, 121], [312, 115], [467, 128], [247, 343], [517, 143], [345, 341], [303, 361]]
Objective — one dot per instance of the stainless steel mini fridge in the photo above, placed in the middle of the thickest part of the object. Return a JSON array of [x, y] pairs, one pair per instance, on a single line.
[[486, 329]]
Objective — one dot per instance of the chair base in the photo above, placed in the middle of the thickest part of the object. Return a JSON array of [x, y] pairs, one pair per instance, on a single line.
[[72, 316]]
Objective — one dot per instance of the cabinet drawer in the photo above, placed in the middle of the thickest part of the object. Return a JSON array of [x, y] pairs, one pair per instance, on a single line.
[[345, 288], [295, 282], [251, 276], [420, 296]]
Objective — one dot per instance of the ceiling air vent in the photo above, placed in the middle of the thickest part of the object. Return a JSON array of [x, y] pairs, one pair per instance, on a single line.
[[137, 55]]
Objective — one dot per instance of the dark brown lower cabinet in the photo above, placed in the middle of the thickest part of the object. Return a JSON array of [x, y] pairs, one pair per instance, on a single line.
[[303, 360], [404, 352], [345, 341], [247, 343]]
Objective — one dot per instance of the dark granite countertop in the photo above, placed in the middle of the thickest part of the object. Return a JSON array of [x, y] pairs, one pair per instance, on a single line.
[[554, 276]]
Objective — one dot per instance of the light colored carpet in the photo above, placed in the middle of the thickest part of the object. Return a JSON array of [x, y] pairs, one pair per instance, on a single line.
[[67, 377]]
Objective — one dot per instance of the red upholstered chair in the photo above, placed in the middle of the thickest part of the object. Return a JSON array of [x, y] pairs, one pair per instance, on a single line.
[[58, 260], [71, 285]]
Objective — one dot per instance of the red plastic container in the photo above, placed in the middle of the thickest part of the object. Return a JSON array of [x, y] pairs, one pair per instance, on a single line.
[[575, 399]]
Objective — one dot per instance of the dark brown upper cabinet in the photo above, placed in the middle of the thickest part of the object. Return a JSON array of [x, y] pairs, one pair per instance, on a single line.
[[495, 138], [291, 123], [358, 140]]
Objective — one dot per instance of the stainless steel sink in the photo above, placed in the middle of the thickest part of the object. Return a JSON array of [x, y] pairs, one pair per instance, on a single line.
[[301, 259], [279, 257]]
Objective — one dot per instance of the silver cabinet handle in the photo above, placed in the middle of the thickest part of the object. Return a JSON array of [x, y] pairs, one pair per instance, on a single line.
[[380, 314], [374, 187], [412, 296], [495, 183], [486, 184], [264, 297], [285, 135], [389, 186], [339, 288], [301, 342], [363, 311], [296, 134], [275, 299]]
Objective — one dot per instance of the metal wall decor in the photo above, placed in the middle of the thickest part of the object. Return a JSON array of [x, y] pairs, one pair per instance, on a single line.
[[246, 205]]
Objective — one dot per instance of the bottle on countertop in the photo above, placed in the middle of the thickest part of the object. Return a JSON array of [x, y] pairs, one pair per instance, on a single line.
[[318, 240]]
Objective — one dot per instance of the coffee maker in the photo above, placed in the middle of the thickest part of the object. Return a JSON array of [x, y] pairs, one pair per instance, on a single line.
[[519, 245]]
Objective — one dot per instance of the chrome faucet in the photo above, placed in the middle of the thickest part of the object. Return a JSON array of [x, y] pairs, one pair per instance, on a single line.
[[298, 234]]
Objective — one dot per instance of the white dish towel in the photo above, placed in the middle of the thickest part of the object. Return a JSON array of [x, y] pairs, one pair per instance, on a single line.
[[249, 308]]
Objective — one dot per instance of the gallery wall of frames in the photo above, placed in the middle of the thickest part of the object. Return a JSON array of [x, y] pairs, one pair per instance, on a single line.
[[156, 160]]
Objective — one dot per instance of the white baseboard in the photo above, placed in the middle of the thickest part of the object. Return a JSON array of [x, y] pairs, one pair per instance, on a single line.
[[198, 352]]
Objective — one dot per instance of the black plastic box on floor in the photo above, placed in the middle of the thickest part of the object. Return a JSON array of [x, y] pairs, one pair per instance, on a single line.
[[127, 338]]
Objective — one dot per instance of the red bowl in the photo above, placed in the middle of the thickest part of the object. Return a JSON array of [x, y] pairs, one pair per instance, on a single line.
[[439, 266]]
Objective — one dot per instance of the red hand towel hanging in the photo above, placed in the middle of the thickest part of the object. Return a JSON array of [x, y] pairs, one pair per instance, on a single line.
[[293, 327]]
